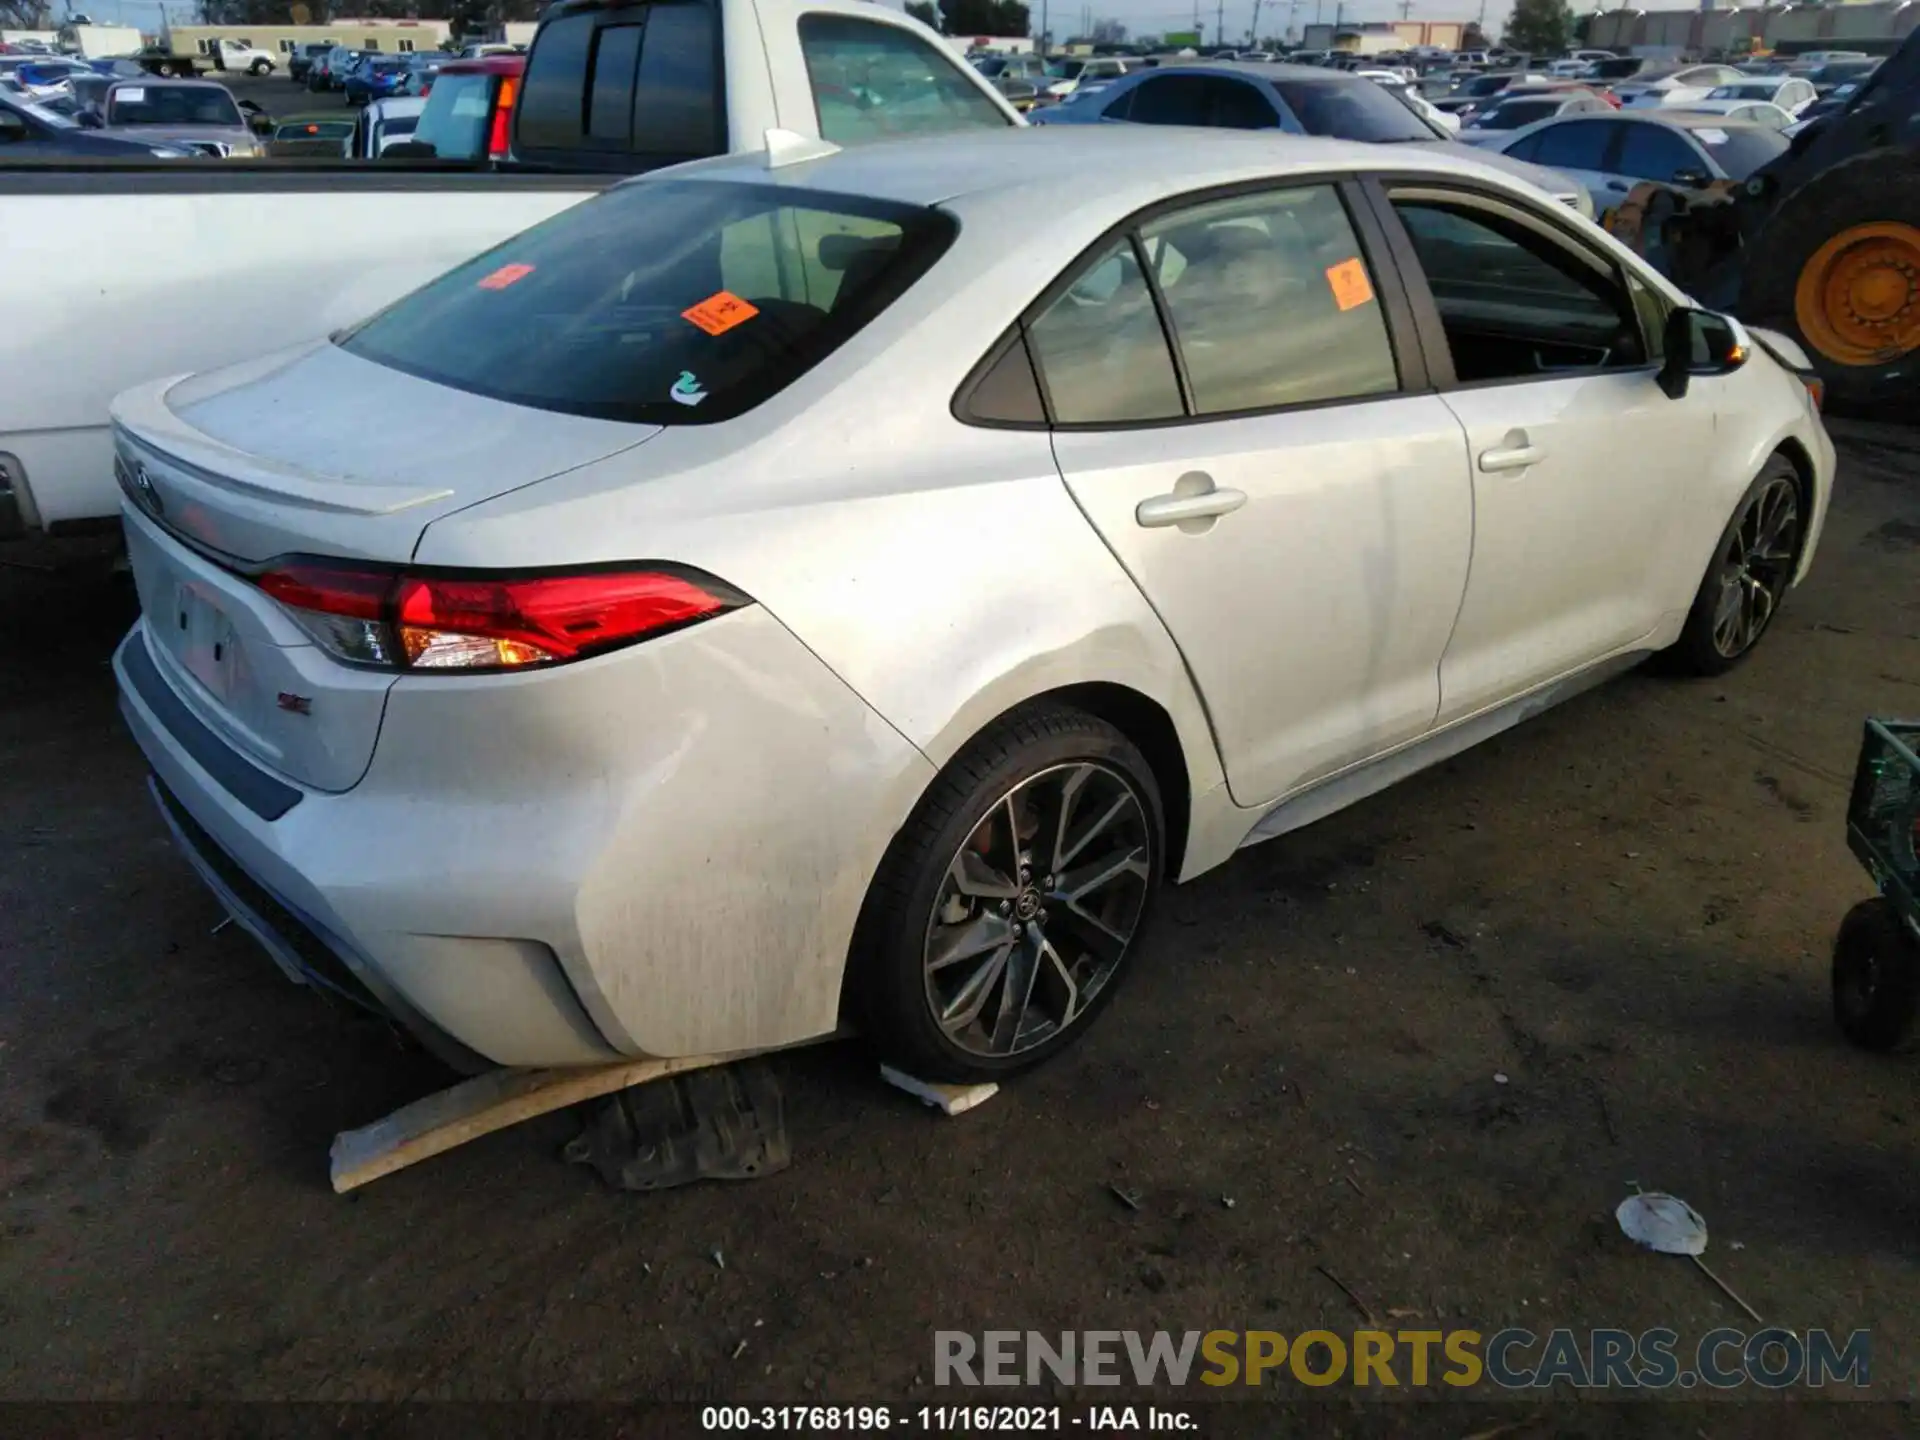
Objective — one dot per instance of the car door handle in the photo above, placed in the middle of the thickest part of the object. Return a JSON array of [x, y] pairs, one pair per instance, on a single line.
[[1511, 457], [1176, 508]]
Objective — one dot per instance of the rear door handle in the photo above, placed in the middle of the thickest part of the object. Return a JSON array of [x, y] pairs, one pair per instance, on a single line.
[[1176, 508], [1513, 457]]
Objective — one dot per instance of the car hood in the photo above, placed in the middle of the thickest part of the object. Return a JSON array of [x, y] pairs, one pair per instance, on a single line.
[[1562, 187]]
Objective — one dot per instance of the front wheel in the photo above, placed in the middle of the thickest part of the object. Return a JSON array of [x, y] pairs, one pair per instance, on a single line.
[[1006, 909], [1748, 578], [261, 67], [1876, 975]]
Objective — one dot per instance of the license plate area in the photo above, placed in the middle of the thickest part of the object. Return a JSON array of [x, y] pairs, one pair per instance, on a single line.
[[203, 640]]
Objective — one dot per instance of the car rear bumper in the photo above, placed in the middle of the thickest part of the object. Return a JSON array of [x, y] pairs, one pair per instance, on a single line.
[[656, 852]]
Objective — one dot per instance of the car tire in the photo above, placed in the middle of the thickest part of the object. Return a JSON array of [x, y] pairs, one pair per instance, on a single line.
[[1873, 196], [260, 67], [968, 901], [1747, 579], [1876, 975]]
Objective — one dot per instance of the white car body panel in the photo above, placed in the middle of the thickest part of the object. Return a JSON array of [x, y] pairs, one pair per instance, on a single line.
[[662, 850]]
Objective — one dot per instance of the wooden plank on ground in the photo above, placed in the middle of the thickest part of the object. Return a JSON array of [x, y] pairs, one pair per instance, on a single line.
[[485, 1103]]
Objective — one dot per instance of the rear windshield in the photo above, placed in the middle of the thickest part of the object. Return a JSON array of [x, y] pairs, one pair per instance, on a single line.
[[171, 105], [1352, 110], [679, 302], [1741, 150], [455, 120]]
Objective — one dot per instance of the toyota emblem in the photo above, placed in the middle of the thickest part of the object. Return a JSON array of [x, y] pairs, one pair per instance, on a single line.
[[145, 491]]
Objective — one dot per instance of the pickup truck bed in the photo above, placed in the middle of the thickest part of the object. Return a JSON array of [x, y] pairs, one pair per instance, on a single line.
[[138, 270]]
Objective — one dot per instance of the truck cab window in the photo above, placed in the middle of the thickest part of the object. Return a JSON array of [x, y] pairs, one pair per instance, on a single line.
[[874, 81]]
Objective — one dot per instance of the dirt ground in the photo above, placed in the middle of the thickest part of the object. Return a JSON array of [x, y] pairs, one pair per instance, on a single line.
[[1625, 908]]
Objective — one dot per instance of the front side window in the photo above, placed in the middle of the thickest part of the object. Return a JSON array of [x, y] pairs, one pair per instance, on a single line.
[[670, 303], [873, 81], [1515, 303], [1271, 302]]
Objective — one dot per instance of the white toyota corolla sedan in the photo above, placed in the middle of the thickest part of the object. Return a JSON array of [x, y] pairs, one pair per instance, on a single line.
[[848, 587]]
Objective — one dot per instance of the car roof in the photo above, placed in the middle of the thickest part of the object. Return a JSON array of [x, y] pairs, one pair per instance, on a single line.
[[1690, 118], [1037, 160], [156, 84], [514, 64]]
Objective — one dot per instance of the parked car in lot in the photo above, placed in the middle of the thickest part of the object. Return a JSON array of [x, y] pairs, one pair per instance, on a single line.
[[238, 55], [383, 124], [1790, 93], [329, 71], [1763, 114], [300, 62], [311, 136], [1610, 154], [469, 111], [33, 132], [644, 584], [1678, 86], [196, 115], [1282, 98], [374, 77], [1513, 109]]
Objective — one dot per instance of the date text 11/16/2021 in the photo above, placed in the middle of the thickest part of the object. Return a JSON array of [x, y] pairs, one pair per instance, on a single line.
[[944, 1419]]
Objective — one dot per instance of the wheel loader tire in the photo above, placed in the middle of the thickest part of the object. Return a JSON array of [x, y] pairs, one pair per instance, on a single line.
[[1838, 268]]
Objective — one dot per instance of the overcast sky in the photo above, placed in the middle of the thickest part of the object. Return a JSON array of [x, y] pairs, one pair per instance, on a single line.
[[1141, 17]]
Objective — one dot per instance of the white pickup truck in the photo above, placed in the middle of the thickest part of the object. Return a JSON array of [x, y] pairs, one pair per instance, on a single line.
[[120, 273]]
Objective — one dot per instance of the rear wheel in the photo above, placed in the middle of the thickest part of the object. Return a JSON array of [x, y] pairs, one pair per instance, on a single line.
[[1006, 910], [1876, 975], [1839, 267], [1748, 577]]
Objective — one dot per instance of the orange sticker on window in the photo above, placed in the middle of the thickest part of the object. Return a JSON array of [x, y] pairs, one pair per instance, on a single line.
[[720, 312], [505, 276], [1349, 283]]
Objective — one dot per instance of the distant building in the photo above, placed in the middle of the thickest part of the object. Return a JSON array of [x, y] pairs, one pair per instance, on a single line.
[[398, 37], [1378, 37], [1876, 27]]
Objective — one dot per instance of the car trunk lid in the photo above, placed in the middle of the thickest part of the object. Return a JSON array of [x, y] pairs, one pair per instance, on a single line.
[[303, 455], [319, 451]]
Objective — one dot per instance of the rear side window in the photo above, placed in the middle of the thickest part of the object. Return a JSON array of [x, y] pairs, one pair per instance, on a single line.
[[1653, 152], [873, 81], [1100, 348], [1574, 145], [607, 87], [672, 303], [1172, 100]]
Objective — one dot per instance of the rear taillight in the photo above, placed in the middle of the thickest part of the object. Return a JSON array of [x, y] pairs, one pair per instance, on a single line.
[[497, 140], [424, 620]]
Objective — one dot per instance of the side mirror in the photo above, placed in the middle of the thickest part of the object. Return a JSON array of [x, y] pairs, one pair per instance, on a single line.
[[88, 119], [260, 124], [1697, 342]]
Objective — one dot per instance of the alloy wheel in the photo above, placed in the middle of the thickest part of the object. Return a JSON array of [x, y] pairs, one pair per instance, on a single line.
[[1037, 909], [1756, 566]]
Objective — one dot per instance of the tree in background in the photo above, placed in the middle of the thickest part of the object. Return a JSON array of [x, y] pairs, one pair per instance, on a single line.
[[1581, 25], [1472, 37], [1109, 32], [923, 11], [1540, 27], [24, 15], [983, 17]]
